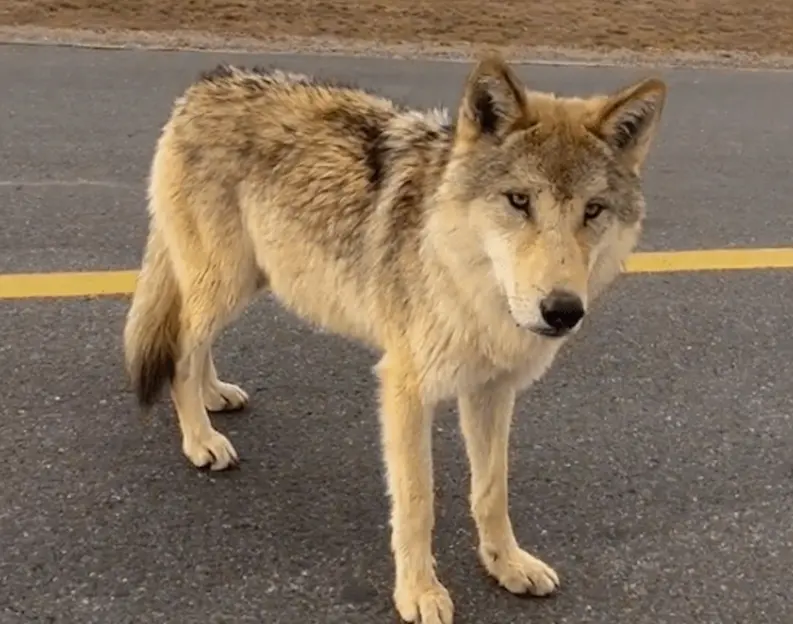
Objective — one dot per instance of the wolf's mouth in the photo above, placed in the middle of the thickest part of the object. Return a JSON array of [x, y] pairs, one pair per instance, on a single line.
[[551, 332]]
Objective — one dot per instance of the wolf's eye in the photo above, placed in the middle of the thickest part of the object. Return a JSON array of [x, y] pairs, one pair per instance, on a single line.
[[519, 201], [593, 210]]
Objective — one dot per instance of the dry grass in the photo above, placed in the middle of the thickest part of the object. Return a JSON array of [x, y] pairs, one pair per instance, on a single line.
[[657, 25]]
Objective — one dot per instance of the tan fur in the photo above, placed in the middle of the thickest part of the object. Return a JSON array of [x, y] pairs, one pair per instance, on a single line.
[[462, 250]]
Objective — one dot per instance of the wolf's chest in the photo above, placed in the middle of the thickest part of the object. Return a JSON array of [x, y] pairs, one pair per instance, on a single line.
[[464, 369]]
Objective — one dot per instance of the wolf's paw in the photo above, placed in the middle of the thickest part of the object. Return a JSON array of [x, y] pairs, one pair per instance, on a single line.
[[429, 604], [224, 397], [211, 449], [519, 572]]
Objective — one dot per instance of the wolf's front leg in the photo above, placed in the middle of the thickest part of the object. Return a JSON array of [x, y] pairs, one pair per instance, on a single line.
[[406, 424], [485, 417]]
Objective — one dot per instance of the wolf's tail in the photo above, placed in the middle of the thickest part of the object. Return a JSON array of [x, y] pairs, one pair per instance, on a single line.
[[151, 333]]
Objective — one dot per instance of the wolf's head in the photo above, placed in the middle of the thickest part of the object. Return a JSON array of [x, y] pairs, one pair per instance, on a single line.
[[548, 189]]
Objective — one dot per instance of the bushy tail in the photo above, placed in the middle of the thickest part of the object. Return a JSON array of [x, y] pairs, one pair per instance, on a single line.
[[151, 333]]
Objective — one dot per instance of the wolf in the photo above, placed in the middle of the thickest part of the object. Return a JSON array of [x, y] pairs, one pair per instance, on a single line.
[[464, 249]]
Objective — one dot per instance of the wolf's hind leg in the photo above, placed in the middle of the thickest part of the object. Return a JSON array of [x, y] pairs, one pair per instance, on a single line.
[[201, 443], [215, 290], [220, 396]]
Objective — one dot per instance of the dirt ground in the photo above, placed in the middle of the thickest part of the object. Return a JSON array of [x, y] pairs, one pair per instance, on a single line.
[[737, 26]]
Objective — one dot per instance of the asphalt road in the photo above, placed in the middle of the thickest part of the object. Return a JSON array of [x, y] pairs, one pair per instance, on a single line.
[[653, 467]]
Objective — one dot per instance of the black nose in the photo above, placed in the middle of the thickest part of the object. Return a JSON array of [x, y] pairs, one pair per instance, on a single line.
[[562, 309]]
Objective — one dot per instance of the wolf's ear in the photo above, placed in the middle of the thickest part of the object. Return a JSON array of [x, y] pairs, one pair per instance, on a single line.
[[494, 102], [628, 120]]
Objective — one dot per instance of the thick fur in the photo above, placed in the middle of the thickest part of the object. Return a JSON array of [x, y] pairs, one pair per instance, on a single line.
[[442, 243]]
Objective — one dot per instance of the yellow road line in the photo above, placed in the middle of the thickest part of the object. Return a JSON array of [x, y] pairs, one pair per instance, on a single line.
[[711, 260], [77, 284], [104, 283]]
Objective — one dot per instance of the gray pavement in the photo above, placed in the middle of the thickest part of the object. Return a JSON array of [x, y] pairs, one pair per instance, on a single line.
[[653, 467]]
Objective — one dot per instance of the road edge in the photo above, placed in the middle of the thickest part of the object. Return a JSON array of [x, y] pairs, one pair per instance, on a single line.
[[118, 39]]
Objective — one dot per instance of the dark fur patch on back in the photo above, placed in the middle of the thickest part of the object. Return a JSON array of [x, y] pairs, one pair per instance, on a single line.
[[249, 76], [224, 71], [221, 71], [261, 70], [340, 84], [376, 154], [370, 130]]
